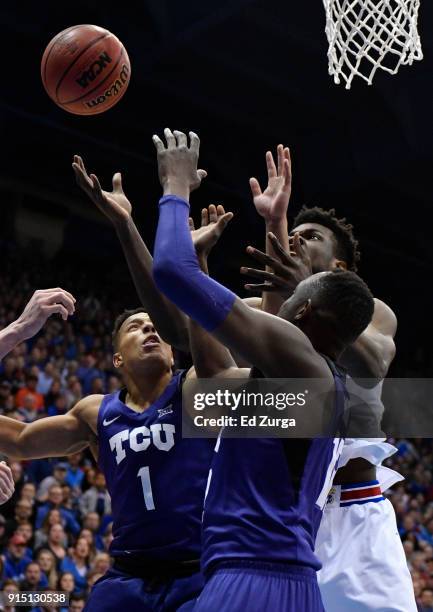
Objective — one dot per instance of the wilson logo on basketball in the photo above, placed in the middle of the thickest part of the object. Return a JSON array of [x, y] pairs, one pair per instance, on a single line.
[[113, 89], [96, 68]]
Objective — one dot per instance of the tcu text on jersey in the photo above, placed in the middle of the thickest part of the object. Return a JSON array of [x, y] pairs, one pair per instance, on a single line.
[[161, 435]]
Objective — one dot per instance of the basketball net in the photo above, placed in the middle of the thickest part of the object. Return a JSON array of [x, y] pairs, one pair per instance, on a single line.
[[365, 35]]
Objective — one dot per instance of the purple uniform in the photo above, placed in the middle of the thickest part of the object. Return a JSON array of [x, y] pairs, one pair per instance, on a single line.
[[262, 511], [157, 481]]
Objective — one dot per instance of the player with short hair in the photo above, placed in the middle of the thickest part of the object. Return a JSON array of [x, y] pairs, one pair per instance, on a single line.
[[264, 496], [355, 569], [156, 478]]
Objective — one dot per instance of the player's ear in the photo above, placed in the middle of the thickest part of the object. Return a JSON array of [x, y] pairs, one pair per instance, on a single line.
[[117, 360], [339, 263], [303, 311]]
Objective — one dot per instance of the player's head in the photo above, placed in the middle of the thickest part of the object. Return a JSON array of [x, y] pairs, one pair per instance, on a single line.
[[137, 344], [330, 241], [331, 308]]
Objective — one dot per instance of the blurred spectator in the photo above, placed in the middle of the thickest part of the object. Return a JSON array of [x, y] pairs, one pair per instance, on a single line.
[[426, 601], [25, 530], [23, 513], [58, 477], [55, 499], [30, 391], [101, 563], [56, 542], [45, 379], [66, 583], [52, 517], [47, 563], [77, 564], [96, 498], [10, 586], [16, 560], [34, 578], [77, 603], [74, 474], [87, 371]]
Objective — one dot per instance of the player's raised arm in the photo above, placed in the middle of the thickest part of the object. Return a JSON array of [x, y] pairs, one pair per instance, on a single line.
[[171, 323], [272, 205], [210, 358], [266, 341], [43, 304], [51, 436]]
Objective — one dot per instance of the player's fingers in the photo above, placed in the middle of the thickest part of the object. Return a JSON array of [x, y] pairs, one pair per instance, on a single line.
[[202, 174], [169, 137], [60, 297], [280, 159], [56, 290], [296, 245], [180, 138], [194, 142], [278, 248], [7, 484], [255, 187], [159, 145], [117, 183], [204, 217], [260, 274], [96, 186], [57, 309], [220, 210], [191, 224], [262, 257], [270, 165], [287, 174], [213, 217], [224, 220], [6, 473]]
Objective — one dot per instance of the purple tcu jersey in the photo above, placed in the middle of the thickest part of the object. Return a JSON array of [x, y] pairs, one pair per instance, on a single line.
[[156, 478], [265, 496]]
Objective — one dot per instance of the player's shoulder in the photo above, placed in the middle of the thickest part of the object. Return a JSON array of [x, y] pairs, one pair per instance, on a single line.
[[87, 406], [384, 318]]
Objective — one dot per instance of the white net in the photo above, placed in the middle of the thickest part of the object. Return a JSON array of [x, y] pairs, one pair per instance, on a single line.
[[365, 35]]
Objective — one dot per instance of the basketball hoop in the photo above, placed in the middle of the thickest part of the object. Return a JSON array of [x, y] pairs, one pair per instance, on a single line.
[[365, 35]]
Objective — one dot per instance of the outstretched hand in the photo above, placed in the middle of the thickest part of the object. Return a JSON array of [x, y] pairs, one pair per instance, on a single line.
[[177, 163], [114, 204], [272, 203], [289, 269], [43, 304], [214, 220]]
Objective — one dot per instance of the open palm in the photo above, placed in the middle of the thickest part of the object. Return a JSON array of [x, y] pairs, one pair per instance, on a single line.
[[272, 203], [114, 204]]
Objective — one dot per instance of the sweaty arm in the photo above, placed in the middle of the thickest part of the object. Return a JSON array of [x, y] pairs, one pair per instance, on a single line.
[[115, 205], [170, 322], [370, 356], [268, 342], [51, 436]]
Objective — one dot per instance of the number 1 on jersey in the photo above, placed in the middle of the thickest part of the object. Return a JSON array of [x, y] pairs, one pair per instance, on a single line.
[[143, 473]]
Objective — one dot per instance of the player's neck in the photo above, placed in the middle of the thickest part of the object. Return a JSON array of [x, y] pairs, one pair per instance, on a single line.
[[145, 390]]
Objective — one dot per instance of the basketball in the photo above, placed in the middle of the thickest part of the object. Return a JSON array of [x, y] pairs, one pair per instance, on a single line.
[[85, 70]]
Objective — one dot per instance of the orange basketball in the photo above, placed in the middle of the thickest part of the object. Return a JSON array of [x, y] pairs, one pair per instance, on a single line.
[[85, 70]]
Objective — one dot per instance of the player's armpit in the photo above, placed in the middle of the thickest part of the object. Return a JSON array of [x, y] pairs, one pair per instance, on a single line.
[[51, 436]]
